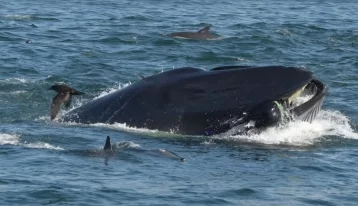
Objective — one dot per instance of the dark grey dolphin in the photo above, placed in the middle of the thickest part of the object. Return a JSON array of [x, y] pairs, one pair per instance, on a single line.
[[202, 34], [110, 149], [64, 95]]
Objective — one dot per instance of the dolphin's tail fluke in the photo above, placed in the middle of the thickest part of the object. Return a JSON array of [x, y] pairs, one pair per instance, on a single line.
[[108, 145]]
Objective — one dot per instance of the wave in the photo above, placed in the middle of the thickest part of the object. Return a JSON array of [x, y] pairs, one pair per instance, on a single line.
[[9, 139], [23, 17], [42, 145], [19, 92], [113, 40], [15, 80], [14, 139]]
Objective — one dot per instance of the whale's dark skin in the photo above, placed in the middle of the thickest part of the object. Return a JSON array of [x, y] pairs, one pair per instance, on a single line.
[[194, 101]]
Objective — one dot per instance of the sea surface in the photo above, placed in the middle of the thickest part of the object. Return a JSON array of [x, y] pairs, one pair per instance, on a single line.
[[100, 46]]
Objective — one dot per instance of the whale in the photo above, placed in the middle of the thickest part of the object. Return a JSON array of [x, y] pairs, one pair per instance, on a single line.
[[196, 101], [202, 34]]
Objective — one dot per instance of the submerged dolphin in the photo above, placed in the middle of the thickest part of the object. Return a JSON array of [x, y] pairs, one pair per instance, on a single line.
[[64, 95], [109, 148], [202, 34]]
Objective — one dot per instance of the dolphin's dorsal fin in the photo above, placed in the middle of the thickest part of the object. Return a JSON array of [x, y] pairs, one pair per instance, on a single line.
[[204, 30], [108, 145]]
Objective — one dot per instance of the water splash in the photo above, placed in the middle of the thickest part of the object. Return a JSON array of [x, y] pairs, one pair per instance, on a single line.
[[9, 139], [127, 144], [19, 92], [15, 80], [42, 145], [124, 127], [112, 89], [14, 139], [297, 133]]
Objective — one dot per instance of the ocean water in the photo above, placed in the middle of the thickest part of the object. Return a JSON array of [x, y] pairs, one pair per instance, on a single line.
[[100, 46]]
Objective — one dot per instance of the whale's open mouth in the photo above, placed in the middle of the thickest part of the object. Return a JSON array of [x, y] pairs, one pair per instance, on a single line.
[[303, 104], [312, 95]]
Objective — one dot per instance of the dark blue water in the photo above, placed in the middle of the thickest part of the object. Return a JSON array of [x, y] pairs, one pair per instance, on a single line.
[[100, 46]]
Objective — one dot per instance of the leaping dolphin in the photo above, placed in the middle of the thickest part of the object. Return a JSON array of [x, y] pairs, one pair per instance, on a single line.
[[202, 34], [64, 95]]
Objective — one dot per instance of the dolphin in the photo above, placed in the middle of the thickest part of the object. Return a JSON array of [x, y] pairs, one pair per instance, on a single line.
[[109, 150], [64, 95], [202, 34]]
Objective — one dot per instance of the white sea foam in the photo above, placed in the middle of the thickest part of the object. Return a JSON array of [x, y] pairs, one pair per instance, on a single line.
[[240, 59], [127, 144], [9, 139], [17, 16], [18, 92], [15, 80], [14, 139], [42, 145], [124, 127], [297, 133], [327, 123]]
